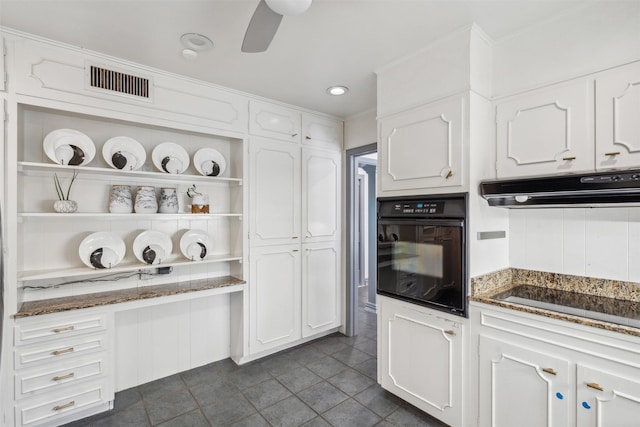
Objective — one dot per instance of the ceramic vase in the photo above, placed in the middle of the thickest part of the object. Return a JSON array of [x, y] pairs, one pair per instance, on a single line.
[[120, 199], [168, 200], [146, 201], [200, 203], [65, 206]]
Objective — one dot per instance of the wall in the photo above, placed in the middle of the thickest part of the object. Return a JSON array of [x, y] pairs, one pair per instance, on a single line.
[[360, 130]]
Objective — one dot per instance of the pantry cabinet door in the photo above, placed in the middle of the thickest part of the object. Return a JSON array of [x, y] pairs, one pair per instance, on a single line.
[[320, 195], [274, 297], [605, 399], [618, 118], [546, 131], [422, 148], [519, 386], [321, 132], [320, 287], [274, 121], [274, 193]]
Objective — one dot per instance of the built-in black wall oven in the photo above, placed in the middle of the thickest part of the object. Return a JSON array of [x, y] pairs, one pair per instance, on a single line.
[[422, 250]]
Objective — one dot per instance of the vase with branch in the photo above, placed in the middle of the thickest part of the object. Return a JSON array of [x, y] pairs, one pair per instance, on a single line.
[[64, 204], [199, 201]]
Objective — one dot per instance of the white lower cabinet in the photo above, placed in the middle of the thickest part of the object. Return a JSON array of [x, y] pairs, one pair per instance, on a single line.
[[526, 387], [534, 371], [275, 297], [62, 368], [421, 358]]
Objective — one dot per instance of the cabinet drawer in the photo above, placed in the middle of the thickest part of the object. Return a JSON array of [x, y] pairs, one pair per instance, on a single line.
[[47, 409], [54, 375], [32, 331], [57, 350]]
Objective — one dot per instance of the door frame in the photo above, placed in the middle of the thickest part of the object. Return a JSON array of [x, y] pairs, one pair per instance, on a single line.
[[351, 195]]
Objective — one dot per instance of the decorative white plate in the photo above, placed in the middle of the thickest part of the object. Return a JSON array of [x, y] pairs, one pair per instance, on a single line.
[[152, 247], [102, 250], [195, 245], [69, 147], [209, 162], [170, 158], [122, 152]]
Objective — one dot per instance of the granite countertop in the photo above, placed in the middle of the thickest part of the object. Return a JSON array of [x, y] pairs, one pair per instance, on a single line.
[[605, 304], [55, 305]]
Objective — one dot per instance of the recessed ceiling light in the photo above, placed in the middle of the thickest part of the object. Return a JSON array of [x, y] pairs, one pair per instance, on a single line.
[[196, 42], [337, 90]]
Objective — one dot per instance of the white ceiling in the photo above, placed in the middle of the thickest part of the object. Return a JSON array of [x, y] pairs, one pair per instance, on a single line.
[[334, 42]]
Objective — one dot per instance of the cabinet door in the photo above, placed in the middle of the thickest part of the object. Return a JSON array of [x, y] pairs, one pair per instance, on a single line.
[[547, 131], [520, 386], [3, 71], [320, 287], [321, 132], [274, 296], [274, 121], [421, 358], [617, 123], [607, 400], [274, 192], [422, 147], [320, 195]]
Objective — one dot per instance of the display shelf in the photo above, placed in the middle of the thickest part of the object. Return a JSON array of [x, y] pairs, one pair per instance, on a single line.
[[174, 261], [26, 167], [128, 216]]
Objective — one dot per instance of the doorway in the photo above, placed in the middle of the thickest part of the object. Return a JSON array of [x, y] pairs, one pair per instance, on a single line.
[[361, 240]]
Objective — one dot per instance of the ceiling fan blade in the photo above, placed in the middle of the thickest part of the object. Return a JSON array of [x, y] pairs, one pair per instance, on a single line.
[[261, 30]]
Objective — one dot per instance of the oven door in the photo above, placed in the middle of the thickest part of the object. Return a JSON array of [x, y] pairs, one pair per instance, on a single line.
[[422, 261]]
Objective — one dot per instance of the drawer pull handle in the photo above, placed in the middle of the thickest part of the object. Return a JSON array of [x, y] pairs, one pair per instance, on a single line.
[[293, 135], [612, 153], [65, 406], [550, 371], [568, 158], [66, 329], [449, 175], [450, 332], [63, 377], [59, 352], [595, 386]]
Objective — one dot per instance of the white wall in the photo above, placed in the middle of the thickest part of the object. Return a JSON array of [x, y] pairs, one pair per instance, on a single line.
[[361, 129]]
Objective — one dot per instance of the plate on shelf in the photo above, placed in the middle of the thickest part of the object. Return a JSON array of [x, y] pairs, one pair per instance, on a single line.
[[122, 152], [170, 158], [152, 247], [102, 250], [209, 162], [69, 147], [195, 245]]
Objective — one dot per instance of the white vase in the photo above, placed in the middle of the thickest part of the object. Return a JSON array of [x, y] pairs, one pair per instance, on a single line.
[[146, 201], [200, 203], [120, 199], [168, 200], [65, 206]]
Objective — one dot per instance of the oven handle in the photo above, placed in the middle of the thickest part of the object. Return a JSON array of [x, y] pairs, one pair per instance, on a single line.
[[423, 222]]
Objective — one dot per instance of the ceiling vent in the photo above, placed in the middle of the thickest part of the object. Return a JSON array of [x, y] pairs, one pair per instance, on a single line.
[[115, 81]]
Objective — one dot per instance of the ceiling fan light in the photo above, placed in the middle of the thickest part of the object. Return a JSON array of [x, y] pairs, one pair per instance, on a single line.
[[337, 90], [289, 7]]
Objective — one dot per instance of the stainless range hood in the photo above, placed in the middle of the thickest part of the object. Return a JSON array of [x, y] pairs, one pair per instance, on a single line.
[[616, 188]]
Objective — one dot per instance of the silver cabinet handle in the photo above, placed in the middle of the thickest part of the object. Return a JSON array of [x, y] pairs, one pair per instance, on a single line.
[[65, 329], [65, 406], [63, 377], [59, 352]]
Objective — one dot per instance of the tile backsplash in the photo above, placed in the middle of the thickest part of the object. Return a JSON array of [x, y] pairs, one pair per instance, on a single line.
[[594, 242]]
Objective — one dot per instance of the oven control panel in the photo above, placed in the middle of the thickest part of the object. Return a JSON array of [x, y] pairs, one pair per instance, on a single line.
[[410, 207], [419, 208]]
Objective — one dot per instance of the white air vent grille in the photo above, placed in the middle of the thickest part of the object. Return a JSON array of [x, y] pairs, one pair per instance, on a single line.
[[115, 81]]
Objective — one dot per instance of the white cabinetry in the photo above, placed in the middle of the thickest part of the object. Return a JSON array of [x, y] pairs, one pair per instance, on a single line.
[[275, 299], [420, 358], [274, 121], [536, 371], [320, 287], [321, 132], [3, 70], [423, 147], [321, 195], [62, 368], [539, 380], [546, 131], [617, 112]]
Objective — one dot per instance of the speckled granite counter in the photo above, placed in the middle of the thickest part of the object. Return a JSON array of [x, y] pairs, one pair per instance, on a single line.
[[34, 308], [607, 297]]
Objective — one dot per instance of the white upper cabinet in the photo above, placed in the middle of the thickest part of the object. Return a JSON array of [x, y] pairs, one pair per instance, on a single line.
[[321, 132], [320, 287], [423, 147], [320, 195], [274, 178], [3, 70], [546, 131], [274, 121], [618, 118]]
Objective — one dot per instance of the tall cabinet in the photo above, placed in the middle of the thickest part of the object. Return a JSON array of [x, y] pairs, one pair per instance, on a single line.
[[294, 225]]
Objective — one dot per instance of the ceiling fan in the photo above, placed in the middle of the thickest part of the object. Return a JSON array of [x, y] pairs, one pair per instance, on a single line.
[[266, 20]]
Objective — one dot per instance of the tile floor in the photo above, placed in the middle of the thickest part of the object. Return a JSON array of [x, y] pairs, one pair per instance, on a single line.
[[327, 382]]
